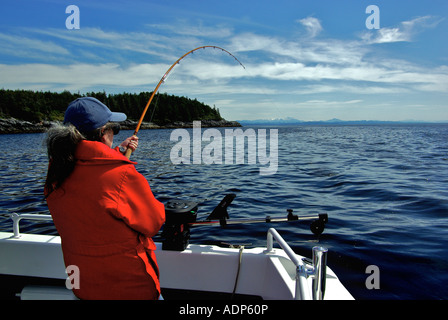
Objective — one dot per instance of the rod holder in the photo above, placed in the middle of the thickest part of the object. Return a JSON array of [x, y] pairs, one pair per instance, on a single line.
[[319, 271], [317, 268]]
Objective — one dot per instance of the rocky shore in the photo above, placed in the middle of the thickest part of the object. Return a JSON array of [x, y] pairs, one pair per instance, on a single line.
[[12, 125]]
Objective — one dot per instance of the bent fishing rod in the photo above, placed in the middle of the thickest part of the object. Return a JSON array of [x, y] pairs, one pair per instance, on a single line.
[[129, 150]]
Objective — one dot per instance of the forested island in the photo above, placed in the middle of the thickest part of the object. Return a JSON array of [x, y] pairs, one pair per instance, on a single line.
[[35, 111]]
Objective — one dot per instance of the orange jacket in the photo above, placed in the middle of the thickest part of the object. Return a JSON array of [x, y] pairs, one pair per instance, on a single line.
[[106, 214]]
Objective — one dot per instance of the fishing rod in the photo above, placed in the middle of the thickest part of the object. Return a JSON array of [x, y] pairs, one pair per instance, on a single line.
[[129, 150], [181, 215], [268, 219], [220, 216]]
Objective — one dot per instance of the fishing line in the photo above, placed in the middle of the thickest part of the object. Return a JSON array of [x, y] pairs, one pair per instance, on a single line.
[[155, 107], [129, 150]]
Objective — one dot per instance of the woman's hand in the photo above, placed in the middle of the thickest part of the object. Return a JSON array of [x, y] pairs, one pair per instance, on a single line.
[[131, 142]]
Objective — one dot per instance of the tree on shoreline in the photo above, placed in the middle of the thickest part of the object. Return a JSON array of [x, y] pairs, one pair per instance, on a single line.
[[36, 106]]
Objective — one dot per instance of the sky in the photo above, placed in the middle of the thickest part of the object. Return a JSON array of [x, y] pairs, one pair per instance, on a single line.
[[308, 60]]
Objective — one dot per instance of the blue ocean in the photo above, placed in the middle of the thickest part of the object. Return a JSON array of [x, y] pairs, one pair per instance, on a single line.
[[384, 188]]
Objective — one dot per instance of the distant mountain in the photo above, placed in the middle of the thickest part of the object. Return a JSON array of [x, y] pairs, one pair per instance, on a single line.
[[277, 121], [293, 121]]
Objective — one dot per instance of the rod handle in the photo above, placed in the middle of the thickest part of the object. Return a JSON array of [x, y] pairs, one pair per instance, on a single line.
[[128, 153]]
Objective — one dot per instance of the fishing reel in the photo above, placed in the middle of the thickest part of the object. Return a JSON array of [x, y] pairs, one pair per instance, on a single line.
[[180, 215], [176, 231]]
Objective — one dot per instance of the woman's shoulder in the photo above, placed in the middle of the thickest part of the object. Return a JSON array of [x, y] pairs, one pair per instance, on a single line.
[[93, 151]]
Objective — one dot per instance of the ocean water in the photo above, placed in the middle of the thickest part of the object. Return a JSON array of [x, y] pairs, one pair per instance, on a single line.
[[384, 188]]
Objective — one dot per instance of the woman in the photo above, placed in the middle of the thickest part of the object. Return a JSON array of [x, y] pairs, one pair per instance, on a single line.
[[103, 209]]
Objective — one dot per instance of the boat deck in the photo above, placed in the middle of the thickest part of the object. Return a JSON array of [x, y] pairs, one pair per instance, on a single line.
[[198, 271]]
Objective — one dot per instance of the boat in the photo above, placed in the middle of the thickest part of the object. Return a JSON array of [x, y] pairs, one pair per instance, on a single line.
[[32, 265]]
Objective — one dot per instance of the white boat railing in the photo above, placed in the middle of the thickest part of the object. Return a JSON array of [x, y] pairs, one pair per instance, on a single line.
[[317, 270], [17, 217]]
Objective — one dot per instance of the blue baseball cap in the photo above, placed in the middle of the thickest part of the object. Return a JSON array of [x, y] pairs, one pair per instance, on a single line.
[[88, 114]]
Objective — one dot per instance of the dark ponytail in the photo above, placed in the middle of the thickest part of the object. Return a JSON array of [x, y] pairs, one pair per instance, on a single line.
[[61, 147]]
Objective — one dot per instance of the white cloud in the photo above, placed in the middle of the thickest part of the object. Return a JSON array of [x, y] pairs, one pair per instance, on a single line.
[[366, 78], [185, 28], [111, 41], [328, 51], [26, 46], [312, 25], [78, 76], [386, 35], [405, 32]]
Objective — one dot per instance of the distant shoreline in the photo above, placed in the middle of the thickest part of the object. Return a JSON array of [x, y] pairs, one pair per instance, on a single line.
[[15, 126]]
